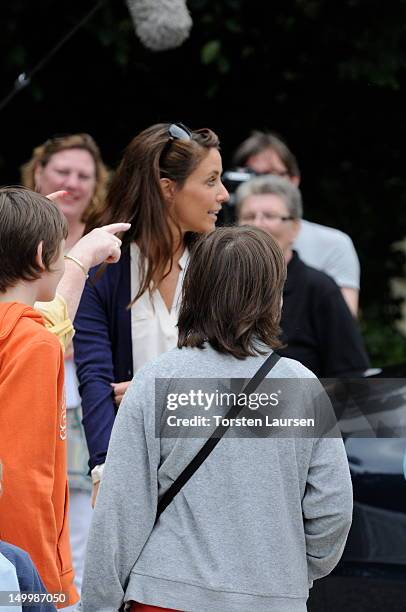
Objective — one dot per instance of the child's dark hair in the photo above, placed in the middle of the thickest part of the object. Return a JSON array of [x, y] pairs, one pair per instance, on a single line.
[[232, 292], [26, 219]]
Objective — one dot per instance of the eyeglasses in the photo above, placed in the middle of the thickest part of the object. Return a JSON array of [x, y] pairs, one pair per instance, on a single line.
[[176, 131], [179, 131], [281, 173], [249, 217]]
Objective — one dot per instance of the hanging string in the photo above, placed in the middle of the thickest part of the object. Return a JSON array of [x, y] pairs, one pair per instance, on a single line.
[[24, 79]]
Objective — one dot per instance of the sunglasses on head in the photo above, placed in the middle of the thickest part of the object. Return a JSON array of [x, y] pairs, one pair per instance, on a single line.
[[179, 131], [176, 131]]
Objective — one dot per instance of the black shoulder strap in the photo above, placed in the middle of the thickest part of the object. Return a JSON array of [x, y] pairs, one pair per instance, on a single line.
[[216, 436]]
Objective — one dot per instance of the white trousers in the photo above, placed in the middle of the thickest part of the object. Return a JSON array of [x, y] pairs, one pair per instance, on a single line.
[[80, 516]]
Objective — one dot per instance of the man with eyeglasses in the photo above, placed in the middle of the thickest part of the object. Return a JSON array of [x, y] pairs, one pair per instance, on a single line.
[[321, 247]]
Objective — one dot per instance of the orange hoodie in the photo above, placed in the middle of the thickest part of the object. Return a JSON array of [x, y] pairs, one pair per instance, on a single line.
[[34, 504]]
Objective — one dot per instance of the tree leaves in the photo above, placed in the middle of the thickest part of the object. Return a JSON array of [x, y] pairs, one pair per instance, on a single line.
[[210, 52]]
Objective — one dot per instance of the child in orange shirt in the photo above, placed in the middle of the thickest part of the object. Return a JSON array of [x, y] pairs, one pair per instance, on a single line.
[[34, 507]]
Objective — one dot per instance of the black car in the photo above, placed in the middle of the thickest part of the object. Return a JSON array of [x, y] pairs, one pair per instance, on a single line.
[[371, 575]]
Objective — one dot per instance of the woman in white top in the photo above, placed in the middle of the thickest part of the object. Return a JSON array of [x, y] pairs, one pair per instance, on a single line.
[[168, 185]]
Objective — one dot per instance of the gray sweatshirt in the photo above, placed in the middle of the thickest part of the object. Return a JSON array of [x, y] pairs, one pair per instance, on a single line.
[[255, 525]]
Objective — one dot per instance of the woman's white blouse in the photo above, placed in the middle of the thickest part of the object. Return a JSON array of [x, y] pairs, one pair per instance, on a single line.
[[153, 327]]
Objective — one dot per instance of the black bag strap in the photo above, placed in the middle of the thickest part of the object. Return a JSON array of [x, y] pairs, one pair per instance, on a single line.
[[216, 436]]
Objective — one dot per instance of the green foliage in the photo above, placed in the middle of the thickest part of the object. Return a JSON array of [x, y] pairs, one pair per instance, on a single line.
[[384, 344], [360, 40], [326, 75], [17, 56], [210, 51]]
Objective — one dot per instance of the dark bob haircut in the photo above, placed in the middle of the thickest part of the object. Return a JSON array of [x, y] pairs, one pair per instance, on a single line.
[[26, 219], [232, 292]]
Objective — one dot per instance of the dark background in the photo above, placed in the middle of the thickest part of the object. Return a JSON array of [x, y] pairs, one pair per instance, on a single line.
[[328, 76]]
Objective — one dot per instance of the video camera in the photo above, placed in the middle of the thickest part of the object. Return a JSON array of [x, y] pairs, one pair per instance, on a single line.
[[232, 179]]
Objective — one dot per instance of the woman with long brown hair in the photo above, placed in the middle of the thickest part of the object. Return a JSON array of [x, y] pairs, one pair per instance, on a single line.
[[168, 185]]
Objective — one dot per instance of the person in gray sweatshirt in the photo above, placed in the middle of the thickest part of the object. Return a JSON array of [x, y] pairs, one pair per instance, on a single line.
[[262, 517]]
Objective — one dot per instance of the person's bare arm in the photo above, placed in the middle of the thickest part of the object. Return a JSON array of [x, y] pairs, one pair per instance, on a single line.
[[100, 245], [351, 297], [96, 247]]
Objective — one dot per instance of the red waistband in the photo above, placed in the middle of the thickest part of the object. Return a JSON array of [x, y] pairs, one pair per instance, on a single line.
[[138, 607]]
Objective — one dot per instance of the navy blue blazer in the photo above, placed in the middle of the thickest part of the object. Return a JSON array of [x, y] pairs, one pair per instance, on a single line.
[[103, 351]]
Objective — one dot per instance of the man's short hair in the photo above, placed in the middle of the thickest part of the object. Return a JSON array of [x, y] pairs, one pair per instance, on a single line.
[[260, 141], [26, 219], [274, 185], [232, 292]]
